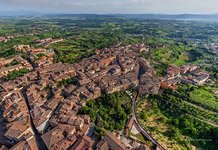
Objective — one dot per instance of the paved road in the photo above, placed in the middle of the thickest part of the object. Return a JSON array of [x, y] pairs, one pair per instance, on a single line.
[[141, 128]]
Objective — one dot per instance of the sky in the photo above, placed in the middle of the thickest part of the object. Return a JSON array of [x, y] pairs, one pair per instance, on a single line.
[[113, 6]]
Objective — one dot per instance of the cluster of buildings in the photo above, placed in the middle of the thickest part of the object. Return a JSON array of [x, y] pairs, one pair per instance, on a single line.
[[34, 101], [140, 48], [15, 120], [10, 37], [188, 74], [31, 31], [6, 38], [42, 57], [7, 65], [214, 47], [47, 41], [38, 56]]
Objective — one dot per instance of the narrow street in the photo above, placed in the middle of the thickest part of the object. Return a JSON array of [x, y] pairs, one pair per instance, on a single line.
[[40, 143], [6, 141]]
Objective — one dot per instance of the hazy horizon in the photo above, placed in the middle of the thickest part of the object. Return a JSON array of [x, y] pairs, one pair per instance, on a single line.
[[112, 7]]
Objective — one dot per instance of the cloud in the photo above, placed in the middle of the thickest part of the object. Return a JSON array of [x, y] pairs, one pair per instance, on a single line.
[[113, 6]]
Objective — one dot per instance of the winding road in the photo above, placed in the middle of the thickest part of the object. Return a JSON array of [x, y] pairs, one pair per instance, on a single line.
[[140, 127]]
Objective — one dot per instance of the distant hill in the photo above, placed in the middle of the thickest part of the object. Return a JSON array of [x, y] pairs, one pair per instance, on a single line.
[[138, 16], [173, 17], [213, 17]]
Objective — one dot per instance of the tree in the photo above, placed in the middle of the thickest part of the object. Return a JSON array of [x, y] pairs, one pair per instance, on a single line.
[[214, 135], [110, 111], [175, 122], [173, 132], [143, 115]]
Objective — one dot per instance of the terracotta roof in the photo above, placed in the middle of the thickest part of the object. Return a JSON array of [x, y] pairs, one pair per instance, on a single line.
[[17, 129], [65, 143], [83, 143], [130, 122], [32, 143], [20, 146], [52, 137], [102, 145], [114, 142]]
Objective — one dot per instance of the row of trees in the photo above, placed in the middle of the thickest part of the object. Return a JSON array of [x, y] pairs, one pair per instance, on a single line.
[[185, 119]]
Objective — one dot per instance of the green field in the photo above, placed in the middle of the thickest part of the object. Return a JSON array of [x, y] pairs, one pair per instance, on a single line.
[[204, 98]]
